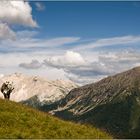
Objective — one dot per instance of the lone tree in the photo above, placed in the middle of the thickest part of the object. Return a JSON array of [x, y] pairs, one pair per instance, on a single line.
[[6, 89]]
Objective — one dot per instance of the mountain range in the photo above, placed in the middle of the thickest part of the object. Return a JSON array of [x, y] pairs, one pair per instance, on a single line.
[[112, 104]]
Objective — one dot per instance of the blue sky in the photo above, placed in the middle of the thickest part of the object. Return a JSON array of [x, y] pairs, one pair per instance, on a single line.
[[80, 41], [88, 19]]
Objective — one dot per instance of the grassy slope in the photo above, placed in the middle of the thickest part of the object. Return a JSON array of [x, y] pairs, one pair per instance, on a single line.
[[18, 121]]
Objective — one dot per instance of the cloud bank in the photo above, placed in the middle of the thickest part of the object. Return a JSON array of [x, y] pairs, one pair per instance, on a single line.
[[79, 69]]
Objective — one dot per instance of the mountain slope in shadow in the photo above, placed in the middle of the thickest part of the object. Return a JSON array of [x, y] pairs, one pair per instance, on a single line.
[[112, 104]]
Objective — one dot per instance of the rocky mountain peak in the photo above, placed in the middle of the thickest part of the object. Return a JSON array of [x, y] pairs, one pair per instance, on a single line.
[[26, 87]]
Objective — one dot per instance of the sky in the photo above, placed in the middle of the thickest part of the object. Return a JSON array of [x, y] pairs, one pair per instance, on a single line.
[[79, 41]]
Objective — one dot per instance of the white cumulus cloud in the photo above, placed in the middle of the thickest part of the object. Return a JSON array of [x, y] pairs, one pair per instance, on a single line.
[[6, 32], [69, 59], [16, 12]]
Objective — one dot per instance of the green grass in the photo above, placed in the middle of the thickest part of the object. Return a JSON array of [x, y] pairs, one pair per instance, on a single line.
[[19, 121]]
